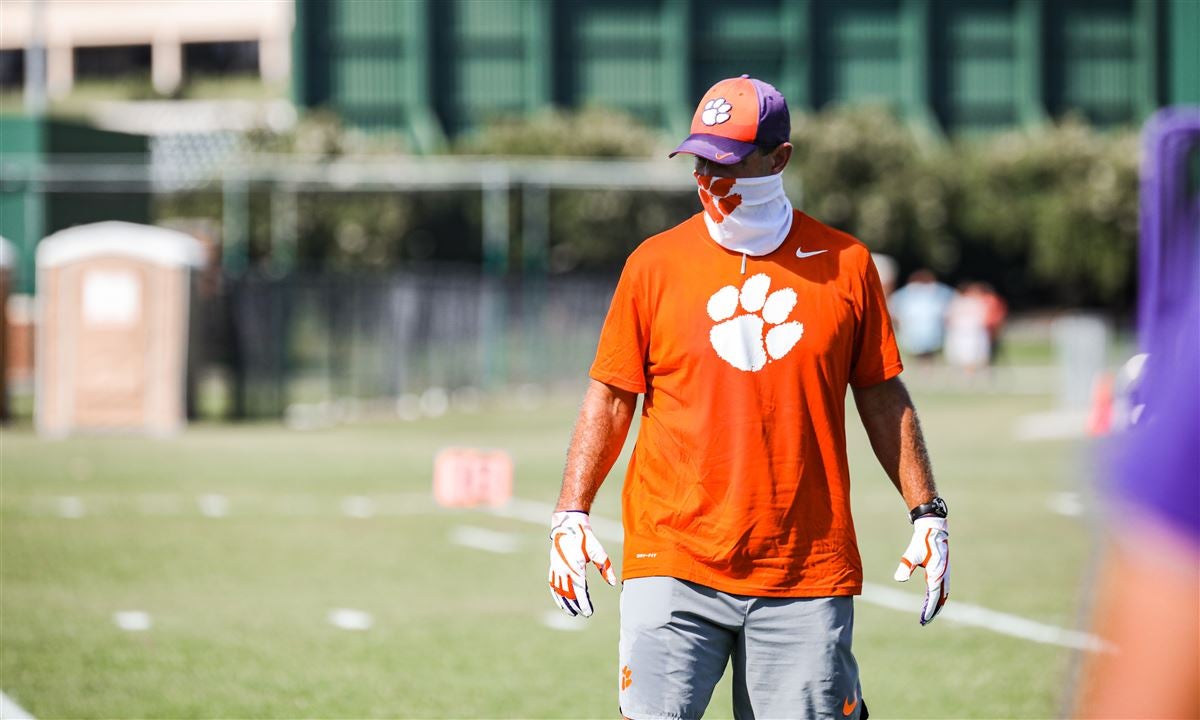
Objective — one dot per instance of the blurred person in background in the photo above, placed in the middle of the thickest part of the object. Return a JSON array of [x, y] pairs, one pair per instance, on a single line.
[[997, 313], [743, 327], [968, 341], [1147, 605], [1148, 593], [919, 309]]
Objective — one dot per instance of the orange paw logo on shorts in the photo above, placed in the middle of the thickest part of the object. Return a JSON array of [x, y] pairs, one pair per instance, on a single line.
[[626, 677], [714, 195]]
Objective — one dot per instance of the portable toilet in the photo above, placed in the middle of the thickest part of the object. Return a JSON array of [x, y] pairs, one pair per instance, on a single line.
[[111, 353], [8, 260]]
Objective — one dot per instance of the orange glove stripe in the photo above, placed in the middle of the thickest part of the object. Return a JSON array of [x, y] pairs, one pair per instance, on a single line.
[[568, 592], [559, 549]]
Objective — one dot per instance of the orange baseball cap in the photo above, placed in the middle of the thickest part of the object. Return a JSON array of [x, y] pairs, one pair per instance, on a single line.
[[734, 117]]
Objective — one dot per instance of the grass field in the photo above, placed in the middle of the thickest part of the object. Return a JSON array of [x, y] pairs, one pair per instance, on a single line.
[[240, 603]]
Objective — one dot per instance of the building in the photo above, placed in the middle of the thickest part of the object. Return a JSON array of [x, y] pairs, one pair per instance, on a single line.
[[435, 68], [114, 62]]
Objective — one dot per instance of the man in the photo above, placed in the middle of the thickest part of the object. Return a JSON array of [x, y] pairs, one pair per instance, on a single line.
[[743, 327], [1152, 529], [1152, 523], [920, 309]]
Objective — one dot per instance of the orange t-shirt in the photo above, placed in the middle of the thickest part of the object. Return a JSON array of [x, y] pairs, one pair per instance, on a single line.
[[739, 479]]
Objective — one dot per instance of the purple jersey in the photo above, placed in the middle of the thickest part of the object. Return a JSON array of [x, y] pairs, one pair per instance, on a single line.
[[1156, 463]]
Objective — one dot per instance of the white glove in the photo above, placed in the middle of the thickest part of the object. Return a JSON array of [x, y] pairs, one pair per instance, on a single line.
[[572, 546], [929, 549]]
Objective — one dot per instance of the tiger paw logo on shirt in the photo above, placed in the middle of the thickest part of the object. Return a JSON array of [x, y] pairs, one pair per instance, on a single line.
[[741, 341]]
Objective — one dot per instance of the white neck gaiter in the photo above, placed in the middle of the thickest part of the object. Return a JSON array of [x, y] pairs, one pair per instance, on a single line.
[[751, 216]]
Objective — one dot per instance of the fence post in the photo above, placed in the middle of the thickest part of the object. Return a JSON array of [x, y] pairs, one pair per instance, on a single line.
[[496, 219], [285, 213], [232, 290], [34, 211], [535, 252], [235, 212], [497, 187]]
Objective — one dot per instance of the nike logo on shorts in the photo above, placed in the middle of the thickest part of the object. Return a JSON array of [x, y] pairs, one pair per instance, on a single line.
[[848, 707]]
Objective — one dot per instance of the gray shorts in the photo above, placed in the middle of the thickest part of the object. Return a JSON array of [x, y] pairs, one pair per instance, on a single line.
[[791, 656]]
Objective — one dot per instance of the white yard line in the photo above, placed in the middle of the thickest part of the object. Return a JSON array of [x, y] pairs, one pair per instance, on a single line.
[[483, 539], [1055, 425], [71, 507], [213, 505], [559, 620], [358, 506], [133, 620], [538, 513], [981, 617], [9, 710], [350, 619], [1066, 503], [955, 611]]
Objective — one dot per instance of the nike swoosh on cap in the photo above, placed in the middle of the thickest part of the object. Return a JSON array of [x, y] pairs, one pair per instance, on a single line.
[[722, 155]]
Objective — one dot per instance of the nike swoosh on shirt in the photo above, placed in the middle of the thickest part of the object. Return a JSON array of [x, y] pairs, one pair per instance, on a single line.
[[801, 254]]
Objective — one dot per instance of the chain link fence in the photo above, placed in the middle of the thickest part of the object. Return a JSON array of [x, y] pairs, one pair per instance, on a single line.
[[306, 339]]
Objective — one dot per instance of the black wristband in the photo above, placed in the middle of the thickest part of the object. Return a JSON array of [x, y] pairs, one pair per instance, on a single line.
[[936, 507]]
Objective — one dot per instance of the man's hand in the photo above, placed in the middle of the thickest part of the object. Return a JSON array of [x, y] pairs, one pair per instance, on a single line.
[[572, 546], [929, 549]]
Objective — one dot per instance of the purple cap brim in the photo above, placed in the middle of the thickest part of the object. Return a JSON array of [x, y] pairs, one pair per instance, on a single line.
[[721, 150]]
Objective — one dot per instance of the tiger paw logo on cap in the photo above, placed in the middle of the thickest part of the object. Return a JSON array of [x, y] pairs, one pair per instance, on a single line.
[[716, 111]]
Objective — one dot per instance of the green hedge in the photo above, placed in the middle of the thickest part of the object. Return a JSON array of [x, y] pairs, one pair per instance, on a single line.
[[1054, 211], [591, 230], [1047, 215]]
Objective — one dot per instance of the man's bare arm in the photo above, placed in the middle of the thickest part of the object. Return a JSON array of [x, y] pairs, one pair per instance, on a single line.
[[596, 443], [890, 419]]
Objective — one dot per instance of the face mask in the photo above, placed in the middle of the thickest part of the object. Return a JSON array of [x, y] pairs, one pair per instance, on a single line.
[[747, 215]]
